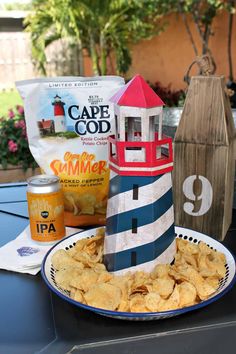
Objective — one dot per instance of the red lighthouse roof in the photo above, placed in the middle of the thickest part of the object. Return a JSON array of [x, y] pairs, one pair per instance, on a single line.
[[137, 93]]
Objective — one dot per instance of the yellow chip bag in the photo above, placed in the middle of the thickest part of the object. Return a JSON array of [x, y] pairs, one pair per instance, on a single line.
[[68, 122]]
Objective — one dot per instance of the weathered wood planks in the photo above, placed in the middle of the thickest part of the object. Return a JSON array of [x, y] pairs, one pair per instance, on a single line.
[[203, 177]]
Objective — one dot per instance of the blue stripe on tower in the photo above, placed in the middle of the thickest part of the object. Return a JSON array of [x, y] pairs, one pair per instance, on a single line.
[[144, 253], [120, 184], [144, 215]]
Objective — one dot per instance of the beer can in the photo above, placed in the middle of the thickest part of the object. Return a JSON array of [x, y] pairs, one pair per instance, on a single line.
[[46, 209]]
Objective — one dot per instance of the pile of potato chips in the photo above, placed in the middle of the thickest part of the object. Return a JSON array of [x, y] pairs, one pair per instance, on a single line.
[[193, 277]]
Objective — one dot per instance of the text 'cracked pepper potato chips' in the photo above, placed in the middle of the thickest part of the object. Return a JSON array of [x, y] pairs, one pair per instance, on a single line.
[[68, 123]]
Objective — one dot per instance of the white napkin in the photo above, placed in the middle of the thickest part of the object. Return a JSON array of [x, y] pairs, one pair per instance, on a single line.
[[23, 255]]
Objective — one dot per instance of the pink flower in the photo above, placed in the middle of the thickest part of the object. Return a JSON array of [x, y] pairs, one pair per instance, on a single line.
[[20, 124], [20, 109], [23, 132], [12, 146], [11, 114], [17, 125]]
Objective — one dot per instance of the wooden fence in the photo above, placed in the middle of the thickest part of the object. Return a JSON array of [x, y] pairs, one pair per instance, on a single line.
[[16, 62]]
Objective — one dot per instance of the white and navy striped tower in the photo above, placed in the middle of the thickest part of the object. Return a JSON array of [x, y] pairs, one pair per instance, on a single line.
[[140, 217]]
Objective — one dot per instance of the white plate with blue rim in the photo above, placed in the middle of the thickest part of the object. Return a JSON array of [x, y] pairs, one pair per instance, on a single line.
[[225, 284]]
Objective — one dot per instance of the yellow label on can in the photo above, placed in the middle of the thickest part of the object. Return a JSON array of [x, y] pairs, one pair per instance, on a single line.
[[46, 214]]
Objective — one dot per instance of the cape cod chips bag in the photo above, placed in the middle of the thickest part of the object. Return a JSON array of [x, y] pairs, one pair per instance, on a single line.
[[68, 122]]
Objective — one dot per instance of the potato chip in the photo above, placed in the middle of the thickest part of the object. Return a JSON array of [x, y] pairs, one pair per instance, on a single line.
[[203, 267], [175, 275], [91, 248], [188, 294], [83, 257], [105, 296], [124, 306], [70, 203], [80, 244], [85, 280], [77, 295], [203, 248], [138, 304], [99, 267], [209, 264], [99, 238], [179, 260], [141, 289], [172, 302], [63, 277], [190, 259], [217, 266], [85, 203], [160, 271], [104, 277], [218, 256], [123, 283], [140, 278], [204, 289], [163, 286], [186, 246], [62, 259], [213, 281], [71, 252], [151, 301], [88, 260]]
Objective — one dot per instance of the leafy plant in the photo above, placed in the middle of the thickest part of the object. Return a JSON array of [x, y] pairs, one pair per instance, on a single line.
[[17, 5], [202, 13], [66, 135], [171, 98], [104, 28], [14, 148]]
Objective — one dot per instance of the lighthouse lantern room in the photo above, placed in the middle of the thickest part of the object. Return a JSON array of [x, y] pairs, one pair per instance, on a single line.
[[140, 218]]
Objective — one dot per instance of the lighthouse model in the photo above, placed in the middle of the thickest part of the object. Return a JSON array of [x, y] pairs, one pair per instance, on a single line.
[[59, 115], [140, 219]]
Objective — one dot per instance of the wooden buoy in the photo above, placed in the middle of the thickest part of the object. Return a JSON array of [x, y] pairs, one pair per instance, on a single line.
[[203, 178]]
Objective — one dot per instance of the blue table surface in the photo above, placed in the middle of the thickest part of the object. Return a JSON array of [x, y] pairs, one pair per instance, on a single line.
[[13, 199], [12, 193], [33, 320]]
